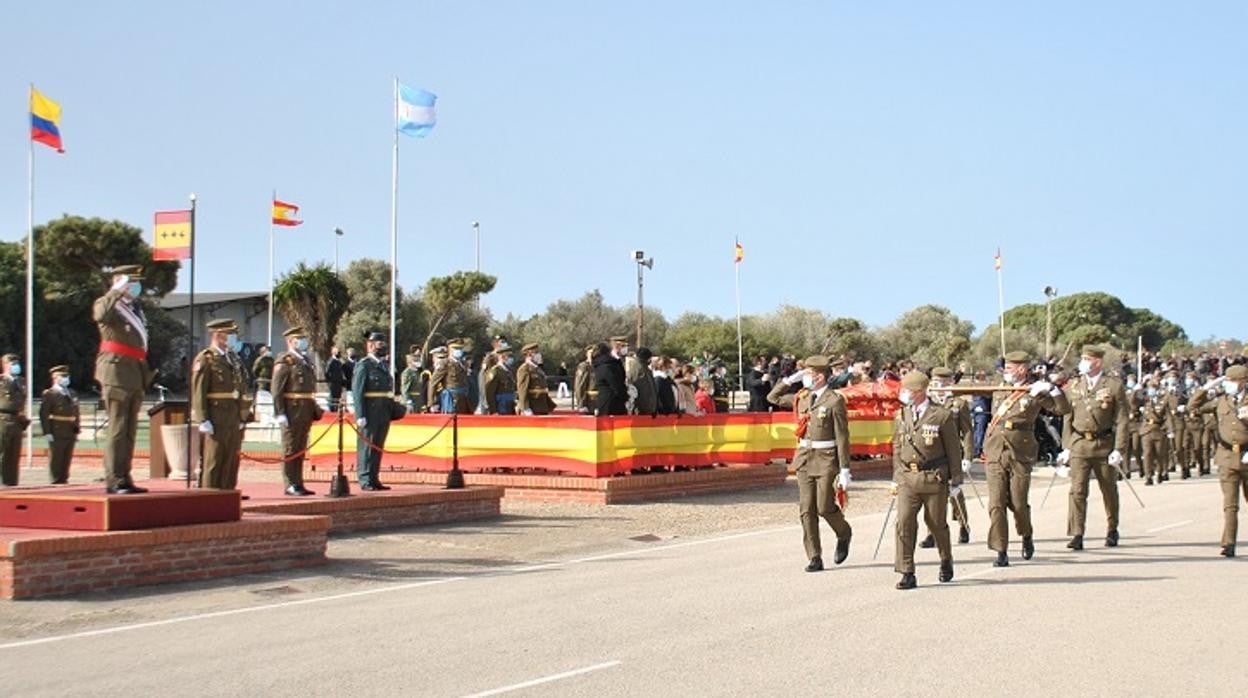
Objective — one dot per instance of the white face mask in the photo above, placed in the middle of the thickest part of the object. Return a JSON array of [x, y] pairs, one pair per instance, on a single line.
[[1230, 387], [1085, 367], [808, 381], [537, 359], [63, 381], [1009, 378], [905, 397]]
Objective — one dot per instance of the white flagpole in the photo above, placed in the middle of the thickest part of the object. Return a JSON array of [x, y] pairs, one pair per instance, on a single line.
[[394, 225], [740, 356], [30, 298], [1139, 360], [268, 337], [1000, 302]]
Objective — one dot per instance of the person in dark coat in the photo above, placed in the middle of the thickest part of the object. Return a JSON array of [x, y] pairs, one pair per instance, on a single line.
[[335, 378], [609, 378], [758, 382]]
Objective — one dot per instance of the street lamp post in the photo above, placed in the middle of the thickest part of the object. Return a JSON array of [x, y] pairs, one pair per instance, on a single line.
[[476, 229], [337, 235], [1050, 292], [640, 257]]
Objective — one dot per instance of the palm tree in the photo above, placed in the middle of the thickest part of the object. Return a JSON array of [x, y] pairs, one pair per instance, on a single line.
[[314, 298]]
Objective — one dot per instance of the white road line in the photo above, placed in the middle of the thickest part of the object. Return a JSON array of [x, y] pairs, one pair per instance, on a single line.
[[546, 679], [1167, 527]]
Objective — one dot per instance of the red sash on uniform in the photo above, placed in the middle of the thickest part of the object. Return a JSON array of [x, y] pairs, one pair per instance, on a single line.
[[123, 349], [801, 420]]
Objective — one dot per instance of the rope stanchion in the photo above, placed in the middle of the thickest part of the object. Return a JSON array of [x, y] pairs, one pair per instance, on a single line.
[[339, 486], [284, 459], [374, 447]]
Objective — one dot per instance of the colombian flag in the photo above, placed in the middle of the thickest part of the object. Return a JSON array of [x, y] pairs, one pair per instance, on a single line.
[[284, 213], [172, 235], [45, 121]]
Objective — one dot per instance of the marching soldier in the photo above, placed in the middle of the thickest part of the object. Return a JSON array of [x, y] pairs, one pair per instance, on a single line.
[[822, 456], [1156, 432], [1094, 437], [532, 394], [220, 405], [961, 412], [58, 417], [294, 406], [1231, 411], [1176, 403], [500, 383], [1193, 431], [1010, 451], [122, 372], [1208, 441], [414, 382], [1134, 453], [262, 369], [372, 388], [448, 387], [927, 460], [583, 393], [13, 421]]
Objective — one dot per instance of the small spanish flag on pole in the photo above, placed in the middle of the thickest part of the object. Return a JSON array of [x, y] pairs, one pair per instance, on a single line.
[[739, 253], [171, 237], [285, 213]]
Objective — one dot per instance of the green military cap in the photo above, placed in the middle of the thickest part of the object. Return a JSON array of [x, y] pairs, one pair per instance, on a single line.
[[455, 344], [942, 372], [1018, 357], [590, 347], [222, 325], [12, 358], [619, 339], [837, 364], [295, 331], [914, 380], [59, 368], [531, 346], [1238, 372], [1094, 351], [818, 362], [134, 271], [506, 349]]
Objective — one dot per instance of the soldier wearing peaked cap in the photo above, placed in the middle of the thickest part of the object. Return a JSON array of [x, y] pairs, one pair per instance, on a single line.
[[294, 406], [13, 421], [58, 416], [1231, 412], [500, 383], [1010, 450], [961, 412], [220, 404], [821, 458], [583, 393], [532, 394], [448, 386], [372, 390], [414, 381], [121, 370]]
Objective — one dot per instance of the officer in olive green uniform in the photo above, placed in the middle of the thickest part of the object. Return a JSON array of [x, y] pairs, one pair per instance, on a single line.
[[448, 387], [58, 417], [413, 383], [1156, 432], [961, 411], [500, 383], [122, 372], [219, 404], [1010, 451], [532, 394], [1094, 437], [262, 369], [372, 388], [13, 421], [927, 467], [1134, 453], [1208, 441], [821, 458], [294, 406], [583, 393], [1177, 405], [1231, 411]]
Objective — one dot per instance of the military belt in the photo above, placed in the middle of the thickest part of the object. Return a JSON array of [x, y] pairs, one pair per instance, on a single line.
[[808, 443], [381, 394], [538, 391], [223, 396], [59, 418], [1096, 435], [299, 396], [1011, 425], [13, 413], [933, 464]]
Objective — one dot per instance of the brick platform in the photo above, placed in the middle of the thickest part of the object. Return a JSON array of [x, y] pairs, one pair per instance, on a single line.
[[608, 490], [405, 505], [90, 509], [39, 563]]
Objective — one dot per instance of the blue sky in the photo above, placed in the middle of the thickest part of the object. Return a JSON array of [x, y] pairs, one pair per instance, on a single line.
[[870, 156]]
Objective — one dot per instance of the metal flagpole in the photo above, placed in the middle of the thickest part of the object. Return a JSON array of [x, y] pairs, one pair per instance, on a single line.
[[268, 337], [1000, 303], [1139, 360], [190, 336], [740, 355], [30, 298], [394, 224]]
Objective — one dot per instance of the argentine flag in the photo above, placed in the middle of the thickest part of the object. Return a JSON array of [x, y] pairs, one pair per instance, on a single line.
[[417, 114]]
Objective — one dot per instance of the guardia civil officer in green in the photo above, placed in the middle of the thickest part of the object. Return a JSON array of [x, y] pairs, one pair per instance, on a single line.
[[13, 421], [1094, 437], [220, 404], [121, 370], [822, 455], [1231, 410], [372, 389], [294, 406], [58, 417], [414, 381], [927, 468]]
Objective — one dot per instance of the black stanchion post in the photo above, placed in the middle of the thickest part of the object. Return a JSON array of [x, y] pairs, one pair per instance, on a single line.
[[455, 478], [339, 487]]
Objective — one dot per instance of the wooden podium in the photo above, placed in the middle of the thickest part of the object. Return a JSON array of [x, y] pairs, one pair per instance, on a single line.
[[161, 414]]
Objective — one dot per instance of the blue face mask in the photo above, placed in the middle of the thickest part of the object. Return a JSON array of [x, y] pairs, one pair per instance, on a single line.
[[458, 353], [1152, 392], [511, 361], [135, 289], [232, 341], [15, 369], [63, 381], [301, 344]]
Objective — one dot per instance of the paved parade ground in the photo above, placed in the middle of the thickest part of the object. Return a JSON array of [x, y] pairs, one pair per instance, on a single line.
[[691, 609]]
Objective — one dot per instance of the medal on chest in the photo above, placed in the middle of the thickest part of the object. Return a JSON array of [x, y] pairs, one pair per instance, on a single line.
[[929, 432]]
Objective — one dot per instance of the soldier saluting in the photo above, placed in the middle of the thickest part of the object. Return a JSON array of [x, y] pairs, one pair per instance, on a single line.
[[1231, 411], [220, 405], [58, 416], [294, 406], [122, 372]]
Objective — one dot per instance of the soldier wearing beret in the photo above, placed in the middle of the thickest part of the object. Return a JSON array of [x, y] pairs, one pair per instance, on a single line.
[[961, 411], [220, 404], [121, 370], [1010, 451], [927, 468], [372, 390], [13, 421], [1094, 438], [822, 456], [532, 393], [500, 383], [58, 417], [294, 406], [1231, 411]]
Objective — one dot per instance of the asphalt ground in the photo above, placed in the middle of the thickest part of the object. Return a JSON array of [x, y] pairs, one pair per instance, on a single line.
[[554, 601]]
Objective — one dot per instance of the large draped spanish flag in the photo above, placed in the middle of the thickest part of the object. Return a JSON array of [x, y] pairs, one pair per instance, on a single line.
[[45, 121]]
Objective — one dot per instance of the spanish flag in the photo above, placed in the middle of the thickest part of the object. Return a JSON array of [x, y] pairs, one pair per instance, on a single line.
[[171, 238], [45, 121], [739, 254], [284, 213], [996, 261]]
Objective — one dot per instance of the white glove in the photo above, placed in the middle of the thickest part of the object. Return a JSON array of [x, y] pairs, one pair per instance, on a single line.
[[1182, 409], [1064, 457], [361, 422], [1244, 460], [1213, 383], [121, 282], [966, 466], [892, 488], [843, 479], [48, 437], [282, 421], [436, 409], [1170, 436], [1115, 458], [1040, 387], [793, 378], [955, 490], [1063, 471], [527, 413], [205, 427]]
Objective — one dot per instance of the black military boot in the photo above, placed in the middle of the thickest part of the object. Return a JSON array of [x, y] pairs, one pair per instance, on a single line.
[[907, 582], [1111, 539], [946, 571], [964, 536], [816, 564], [842, 548], [1075, 543], [1228, 551], [929, 542], [1002, 560], [1029, 548], [1149, 481]]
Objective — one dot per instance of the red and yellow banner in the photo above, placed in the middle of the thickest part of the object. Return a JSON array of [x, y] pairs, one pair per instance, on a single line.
[[171, 236], [285, 213]]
